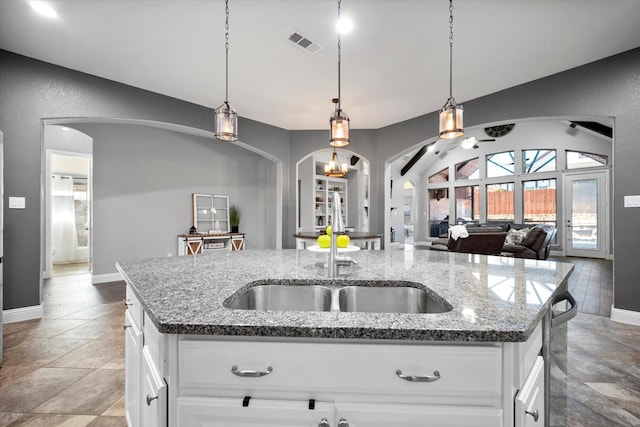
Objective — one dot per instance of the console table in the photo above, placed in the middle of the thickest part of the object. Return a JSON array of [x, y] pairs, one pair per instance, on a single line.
[[370, 240], [192, 244]]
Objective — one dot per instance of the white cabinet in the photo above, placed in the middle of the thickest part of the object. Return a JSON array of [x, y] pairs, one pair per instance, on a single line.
[[132, 349], [193, 244], [154, 394], [207, 381], [529, 408], [223, 412], [400, 415], [145, 388]]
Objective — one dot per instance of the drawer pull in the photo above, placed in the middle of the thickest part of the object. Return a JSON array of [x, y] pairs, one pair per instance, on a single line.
[[324, 423], [235, 371], [150, 399], [343, 423], [419, 378], [534, 414]]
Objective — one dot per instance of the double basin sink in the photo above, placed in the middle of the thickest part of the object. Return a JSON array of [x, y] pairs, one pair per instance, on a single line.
[[377, 297]]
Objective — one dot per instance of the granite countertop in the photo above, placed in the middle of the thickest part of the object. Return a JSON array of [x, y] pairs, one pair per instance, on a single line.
[[494, 299]]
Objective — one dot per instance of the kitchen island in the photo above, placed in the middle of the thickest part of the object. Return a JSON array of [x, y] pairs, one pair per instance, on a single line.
[[193, 361]]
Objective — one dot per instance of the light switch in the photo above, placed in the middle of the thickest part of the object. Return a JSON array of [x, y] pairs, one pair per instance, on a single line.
[[16, 202], [632, 201]]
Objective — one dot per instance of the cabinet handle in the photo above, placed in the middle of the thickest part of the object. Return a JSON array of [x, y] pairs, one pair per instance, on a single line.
[[419, 378], [126, 326], [150, 399], [534, 414], [324, 423], [343, 423], [125, 302], [235, 371]]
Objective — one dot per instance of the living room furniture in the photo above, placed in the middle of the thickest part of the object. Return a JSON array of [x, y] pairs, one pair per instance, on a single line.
[[488, 241], [536, 244], [193, 244]]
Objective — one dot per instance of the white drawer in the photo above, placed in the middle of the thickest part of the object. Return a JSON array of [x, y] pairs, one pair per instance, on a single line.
[[473, 372], [134, 307]]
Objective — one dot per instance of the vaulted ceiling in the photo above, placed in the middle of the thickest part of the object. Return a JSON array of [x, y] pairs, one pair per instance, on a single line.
[[394, 62]]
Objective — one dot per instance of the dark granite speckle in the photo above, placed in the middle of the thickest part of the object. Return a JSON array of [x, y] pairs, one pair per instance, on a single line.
[[496, 299]]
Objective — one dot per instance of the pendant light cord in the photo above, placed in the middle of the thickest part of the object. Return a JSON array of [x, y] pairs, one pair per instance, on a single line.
[[339, 57], [450, 49], [226, 47]]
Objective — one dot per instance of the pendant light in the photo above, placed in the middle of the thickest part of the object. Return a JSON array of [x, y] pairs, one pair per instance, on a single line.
[[334, 169], [339, 121], [225, 116], [451, 113]]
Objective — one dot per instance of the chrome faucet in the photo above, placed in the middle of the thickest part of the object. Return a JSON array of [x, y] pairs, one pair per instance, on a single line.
[[337, 227]]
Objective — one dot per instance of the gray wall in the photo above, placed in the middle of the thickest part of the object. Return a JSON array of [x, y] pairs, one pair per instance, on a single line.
[[143, 178], [31, 90]]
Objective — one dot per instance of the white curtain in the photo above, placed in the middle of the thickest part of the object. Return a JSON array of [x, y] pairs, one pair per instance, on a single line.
[[64, 238]]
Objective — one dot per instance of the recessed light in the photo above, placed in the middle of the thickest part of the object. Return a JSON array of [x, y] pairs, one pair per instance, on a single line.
[[344, 25], [43, 9]]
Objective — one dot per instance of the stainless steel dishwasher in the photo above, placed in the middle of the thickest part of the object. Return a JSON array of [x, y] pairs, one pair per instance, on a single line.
[[554, 351]]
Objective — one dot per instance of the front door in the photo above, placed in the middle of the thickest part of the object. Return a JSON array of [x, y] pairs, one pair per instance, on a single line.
[[586, 219]]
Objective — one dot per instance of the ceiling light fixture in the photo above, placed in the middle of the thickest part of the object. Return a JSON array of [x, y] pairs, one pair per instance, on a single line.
[[469, 143], [43, 9], [339, 121], [225, 116], [451, 113], [334, 169]]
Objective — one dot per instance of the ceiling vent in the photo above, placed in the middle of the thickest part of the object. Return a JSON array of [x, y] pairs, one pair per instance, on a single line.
[[304, 43]]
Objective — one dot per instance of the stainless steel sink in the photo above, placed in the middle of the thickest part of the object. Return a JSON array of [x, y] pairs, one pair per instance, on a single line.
[[378, 297], [282, 297], [389, 299]]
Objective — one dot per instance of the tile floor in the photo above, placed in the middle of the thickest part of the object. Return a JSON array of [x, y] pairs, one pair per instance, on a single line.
[[67, 369]]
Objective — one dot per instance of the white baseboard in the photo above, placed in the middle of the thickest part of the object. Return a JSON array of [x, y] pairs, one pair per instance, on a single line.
[[625, 316], [105, 278], [21, 314]]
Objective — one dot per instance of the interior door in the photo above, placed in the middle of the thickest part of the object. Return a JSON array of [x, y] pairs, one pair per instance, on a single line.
[[586, 220]]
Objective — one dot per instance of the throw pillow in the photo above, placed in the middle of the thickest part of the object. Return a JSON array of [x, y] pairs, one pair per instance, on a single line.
[[516, 237]]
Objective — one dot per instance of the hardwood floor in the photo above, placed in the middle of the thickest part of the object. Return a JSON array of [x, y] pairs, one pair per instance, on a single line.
[[67, 369]]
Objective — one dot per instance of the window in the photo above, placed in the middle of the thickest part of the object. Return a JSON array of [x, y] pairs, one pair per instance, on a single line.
[[534, 161], [467, 203], [539, 201], [500, 164], [468, 170], [438, 211], [442, 176], [500, 202], [576, 160]]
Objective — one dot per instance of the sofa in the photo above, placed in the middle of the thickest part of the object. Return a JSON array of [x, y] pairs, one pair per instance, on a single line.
[[518, 240], [536, 243], [485, 241]]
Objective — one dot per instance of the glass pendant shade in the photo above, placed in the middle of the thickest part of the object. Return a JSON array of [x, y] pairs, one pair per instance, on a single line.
[[339, 130], [226, 123], [334, 169], [451, 121]]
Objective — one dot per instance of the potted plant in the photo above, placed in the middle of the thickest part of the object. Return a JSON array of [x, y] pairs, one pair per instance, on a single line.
[[234, 218]]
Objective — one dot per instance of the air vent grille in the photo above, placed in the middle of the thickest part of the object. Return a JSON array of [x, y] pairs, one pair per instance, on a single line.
[[304, 43]]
